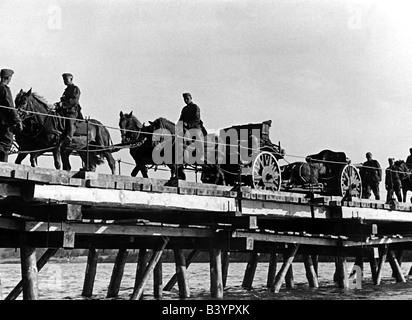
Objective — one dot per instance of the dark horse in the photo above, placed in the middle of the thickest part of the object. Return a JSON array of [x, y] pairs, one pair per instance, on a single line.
[[156, 144], [43, 130]]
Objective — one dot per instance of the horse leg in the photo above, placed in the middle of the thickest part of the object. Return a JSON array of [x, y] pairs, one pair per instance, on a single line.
[[20, 158], [56, 158], [110, 161], [65, 159]]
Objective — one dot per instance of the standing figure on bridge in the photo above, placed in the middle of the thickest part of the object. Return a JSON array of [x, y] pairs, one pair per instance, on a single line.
[[8, 115], [371, 174], [69, 106], [190, 115], [409, 159], [393, 182]]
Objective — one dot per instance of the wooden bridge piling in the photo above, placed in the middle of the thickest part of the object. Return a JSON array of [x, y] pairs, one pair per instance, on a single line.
[[383, 252], [158, 279], [272, 268], [250, 270], [117, 273], [374, 268], [216, 280], [289, 256], [289, 274], [225, 266], [146, 270], [49, 253], [192, 255], [396, 268], [310, 271], [90, 275], [29, 273], [182, 281], [142, 260], [341, 269]]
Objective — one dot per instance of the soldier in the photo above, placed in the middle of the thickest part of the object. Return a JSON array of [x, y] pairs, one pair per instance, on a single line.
[[69, 106], [392, 182], [190, 115], [371, 174], [409, 159], [8, 116]]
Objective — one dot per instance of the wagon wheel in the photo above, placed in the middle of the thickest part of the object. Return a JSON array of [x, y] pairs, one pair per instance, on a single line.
[[350, 180], [266, 172]]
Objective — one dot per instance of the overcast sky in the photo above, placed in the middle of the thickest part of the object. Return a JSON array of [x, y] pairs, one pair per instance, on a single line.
[[329, 74]]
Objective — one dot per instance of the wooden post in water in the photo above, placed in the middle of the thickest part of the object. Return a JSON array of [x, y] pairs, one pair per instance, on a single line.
[[250, 270], [90, 272], [184, 291], [192, 255], [117, 273], [1, 291], [272, 268], [146, 270], [374, 268], [382, 258], [399, 257], [158, 279], [285, 266], [315, 260], [142, 260], [289, 275], [310, 271], [40, 264], [396, 268], [341, 272], [29, 273], [225, 266], [216, 281]]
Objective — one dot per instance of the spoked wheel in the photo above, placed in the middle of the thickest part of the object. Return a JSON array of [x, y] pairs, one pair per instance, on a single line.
[[350, 181], [266, 172]]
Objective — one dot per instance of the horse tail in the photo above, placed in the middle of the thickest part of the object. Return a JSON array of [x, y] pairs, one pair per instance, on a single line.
[[95, 159]]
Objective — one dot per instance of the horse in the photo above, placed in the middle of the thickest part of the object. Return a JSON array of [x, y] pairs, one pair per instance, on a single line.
[[302, 173], [405, 174], [42, 131], [156, 144], [140, 139]]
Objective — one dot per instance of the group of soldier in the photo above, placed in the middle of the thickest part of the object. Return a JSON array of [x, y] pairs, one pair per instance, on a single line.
[[371, 174], [68, 107]]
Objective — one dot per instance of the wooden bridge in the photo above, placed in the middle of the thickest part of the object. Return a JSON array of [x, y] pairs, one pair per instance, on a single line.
[[47, 208]]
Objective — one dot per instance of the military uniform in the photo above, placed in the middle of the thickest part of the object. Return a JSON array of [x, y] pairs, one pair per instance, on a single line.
[[393, 184], [8, 117], [371, 178], [190, 116], [70, 107]]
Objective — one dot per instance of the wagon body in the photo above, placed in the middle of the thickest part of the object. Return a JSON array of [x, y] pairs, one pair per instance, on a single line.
[[250, 156]]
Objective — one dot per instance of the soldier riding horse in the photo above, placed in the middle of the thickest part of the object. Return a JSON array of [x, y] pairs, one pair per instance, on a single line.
[[43, 130]]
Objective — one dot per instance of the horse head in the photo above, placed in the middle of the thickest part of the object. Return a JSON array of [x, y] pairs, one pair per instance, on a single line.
[[162, 130], [130, 127]]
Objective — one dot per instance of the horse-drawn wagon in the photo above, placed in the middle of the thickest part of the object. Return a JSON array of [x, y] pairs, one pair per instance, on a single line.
[[327, 172], [251, 157]]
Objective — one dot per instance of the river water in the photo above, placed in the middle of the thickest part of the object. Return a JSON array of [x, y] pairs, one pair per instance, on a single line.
[[62, 281]]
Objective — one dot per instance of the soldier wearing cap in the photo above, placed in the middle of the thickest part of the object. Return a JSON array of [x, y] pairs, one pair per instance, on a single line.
[[190, 115], [393, 183], [8, 115], [409, 159], [371, 174], [69, 106]]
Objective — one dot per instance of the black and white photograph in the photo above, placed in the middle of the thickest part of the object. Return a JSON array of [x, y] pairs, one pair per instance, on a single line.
[[206, 155]]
